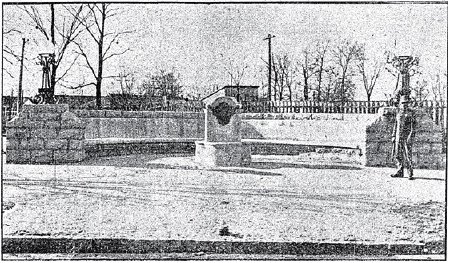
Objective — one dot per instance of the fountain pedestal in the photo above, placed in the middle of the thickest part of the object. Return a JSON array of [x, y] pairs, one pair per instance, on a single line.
[[222, 145]]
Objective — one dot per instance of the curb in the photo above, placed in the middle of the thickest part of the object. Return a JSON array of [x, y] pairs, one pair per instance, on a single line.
[[66, 245]]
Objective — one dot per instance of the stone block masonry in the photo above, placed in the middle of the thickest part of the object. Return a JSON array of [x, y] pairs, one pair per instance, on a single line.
[[45, 134], [369, 133], [427, 144]]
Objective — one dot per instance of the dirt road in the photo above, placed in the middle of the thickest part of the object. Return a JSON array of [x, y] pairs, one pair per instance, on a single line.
[[274, 199]]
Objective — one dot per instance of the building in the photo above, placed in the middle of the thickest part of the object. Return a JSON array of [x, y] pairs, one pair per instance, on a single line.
[[241, 93]]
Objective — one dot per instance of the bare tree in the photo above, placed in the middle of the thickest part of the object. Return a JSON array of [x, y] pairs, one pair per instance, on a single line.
[[320, 68], [236, 73], [307, 69], [419, 91], [369, 72], [276, 87], [289, 75], [163, 84], [279, 70], [10, 56], [329, 85], [345, 55], [439, 88], [95, 26], [439, 91], [284, 72], [127, 82], [59, 34]]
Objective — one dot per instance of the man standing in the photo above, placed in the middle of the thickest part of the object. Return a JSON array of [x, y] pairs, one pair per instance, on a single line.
[[402, 137]]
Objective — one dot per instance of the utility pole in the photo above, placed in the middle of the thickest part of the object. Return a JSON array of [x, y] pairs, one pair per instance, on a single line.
[[269, 37], [53, 65], [20, 92], [11, 104]]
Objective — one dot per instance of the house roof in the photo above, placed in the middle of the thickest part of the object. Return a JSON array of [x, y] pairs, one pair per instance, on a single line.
[[228, 86], [242, 87], [211, 94]]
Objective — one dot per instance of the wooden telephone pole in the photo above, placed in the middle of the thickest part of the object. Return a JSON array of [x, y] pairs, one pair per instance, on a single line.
[[269, 37], [20, 92]]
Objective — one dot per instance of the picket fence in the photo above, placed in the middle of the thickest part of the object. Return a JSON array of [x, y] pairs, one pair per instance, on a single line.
[[437, 110]]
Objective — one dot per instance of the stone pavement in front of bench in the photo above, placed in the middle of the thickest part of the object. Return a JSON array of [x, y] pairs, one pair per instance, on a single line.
[[275, 198]]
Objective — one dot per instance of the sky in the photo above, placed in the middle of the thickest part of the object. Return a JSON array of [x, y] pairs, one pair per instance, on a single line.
[[199, 41]]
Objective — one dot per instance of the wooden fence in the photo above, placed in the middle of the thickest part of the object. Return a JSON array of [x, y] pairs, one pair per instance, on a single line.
[[8, 112], [437, 110], [130, 102], [313, 107]]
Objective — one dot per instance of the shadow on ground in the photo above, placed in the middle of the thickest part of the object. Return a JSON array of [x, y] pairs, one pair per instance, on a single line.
[[134, 160], [277, 165], [428, 179], [187, 162]]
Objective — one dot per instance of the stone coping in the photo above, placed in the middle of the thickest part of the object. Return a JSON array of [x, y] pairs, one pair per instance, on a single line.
[[292, 142], [137, 140], [136, 114], [200, 140], [218, 143]]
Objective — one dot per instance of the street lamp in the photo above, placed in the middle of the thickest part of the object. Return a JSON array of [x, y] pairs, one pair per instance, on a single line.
[[46, 92], [404, 65]]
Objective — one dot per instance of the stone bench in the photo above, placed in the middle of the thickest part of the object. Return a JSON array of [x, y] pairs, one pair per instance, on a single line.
[[124, 146], [290, 147]]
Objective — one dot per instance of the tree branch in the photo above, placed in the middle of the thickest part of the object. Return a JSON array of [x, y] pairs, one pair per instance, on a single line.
[[116, 54], [11, 31], [111, 10], [9, 51], [67, 34], [82, 53], [68, 69], [91, 7], [116, 36], [84, 23], [111, 77], [79, 86], [7, 72], [35, 16], [98, 8], [7, 60]]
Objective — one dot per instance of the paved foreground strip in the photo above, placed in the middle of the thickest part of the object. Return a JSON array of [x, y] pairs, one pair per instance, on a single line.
[[64, 245], [209, 256], [275, 205]]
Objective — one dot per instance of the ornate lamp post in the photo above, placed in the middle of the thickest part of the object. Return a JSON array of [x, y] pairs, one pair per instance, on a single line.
[[45, 93], [404, 65]]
